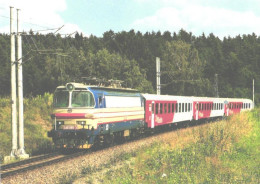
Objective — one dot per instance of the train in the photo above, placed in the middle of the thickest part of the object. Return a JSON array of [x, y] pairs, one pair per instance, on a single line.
[[86, 115]]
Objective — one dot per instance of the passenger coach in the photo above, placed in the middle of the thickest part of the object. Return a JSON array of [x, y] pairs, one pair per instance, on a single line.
[[165, 109]]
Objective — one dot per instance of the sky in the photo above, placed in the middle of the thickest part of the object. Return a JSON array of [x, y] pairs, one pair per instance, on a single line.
[[223, 18]]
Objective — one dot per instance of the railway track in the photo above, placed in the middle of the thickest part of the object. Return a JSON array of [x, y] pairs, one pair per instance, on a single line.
[[36, 162]]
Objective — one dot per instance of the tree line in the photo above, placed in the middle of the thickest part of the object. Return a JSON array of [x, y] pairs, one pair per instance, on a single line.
[[188, 63]]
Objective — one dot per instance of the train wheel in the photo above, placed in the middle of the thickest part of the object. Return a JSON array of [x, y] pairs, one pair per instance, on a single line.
[[109, 140]]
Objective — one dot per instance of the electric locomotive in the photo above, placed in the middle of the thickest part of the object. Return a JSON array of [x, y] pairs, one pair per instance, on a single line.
[[85, 114]]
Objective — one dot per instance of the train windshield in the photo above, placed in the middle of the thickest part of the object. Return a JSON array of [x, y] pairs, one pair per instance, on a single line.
[[82, 99], [61, 99]]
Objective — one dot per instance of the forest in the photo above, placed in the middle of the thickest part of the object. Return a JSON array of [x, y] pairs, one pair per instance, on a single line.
[[190, 65]]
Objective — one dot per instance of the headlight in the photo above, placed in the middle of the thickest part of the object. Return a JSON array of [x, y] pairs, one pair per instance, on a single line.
[[60, 123], [70, 87], [81, 122]]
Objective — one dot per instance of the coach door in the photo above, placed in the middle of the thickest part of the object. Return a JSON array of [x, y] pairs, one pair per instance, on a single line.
[[197, 110], [226, 110], [152, 118]]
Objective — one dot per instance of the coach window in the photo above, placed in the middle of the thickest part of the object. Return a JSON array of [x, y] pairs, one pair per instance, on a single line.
[[179, 107], [172, 107], [156, 108], [152, 108], [182, 107], [165, 108], [176, 107], [161, 108], [169, 108]]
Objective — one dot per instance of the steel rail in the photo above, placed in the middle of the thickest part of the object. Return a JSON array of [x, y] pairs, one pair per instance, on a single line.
[[14, 168]]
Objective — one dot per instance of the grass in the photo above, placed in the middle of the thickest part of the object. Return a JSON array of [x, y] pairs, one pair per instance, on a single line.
[[222, 152], [37, 122]]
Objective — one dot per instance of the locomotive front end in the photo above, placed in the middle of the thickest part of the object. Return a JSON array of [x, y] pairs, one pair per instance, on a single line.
[[73, 125]]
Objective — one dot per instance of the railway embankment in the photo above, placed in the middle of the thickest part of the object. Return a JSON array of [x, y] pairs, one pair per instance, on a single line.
[[222, 152]]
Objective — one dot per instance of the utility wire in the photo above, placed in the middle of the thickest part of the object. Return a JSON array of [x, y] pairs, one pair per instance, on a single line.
[[46, 28]]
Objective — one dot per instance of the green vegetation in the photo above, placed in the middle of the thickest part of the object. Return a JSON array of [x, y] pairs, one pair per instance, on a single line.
[[222, 152], [37, 122], [188, 63]]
